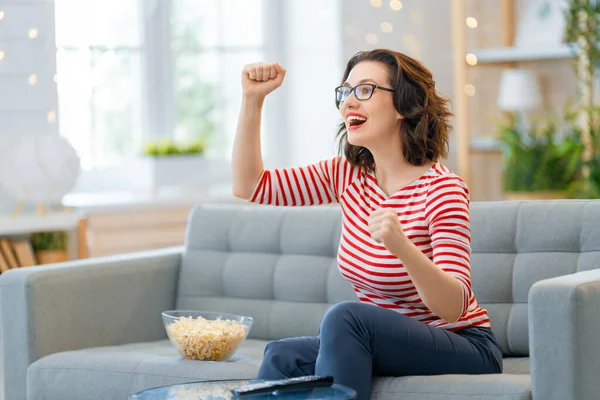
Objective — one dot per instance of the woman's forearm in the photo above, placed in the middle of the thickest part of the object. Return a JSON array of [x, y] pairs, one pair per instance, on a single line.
[[247, 164], [441, 292]]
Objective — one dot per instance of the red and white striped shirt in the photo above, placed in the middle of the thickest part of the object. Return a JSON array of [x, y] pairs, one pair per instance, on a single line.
[[433, 211]]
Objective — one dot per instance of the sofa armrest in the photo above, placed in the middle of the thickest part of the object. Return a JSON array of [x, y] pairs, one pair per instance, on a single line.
[[80, 304], [564, 337]]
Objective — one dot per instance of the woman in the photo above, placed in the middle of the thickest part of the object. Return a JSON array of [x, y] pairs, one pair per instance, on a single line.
[[405, 243]]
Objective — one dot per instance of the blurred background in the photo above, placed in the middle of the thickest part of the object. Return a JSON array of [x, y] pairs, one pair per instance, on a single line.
[[116, 117]]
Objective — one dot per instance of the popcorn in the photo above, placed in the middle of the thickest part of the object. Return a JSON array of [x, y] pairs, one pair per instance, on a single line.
[[208, 390], [206, 340]]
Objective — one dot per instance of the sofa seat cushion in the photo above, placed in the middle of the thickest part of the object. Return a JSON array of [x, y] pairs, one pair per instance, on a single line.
[[119, 371], [516, 365], [453, 387], [513, 384]]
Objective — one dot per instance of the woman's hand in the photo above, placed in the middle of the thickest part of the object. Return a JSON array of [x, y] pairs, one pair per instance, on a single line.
[[441, 292], [260, 79], [385, 228]]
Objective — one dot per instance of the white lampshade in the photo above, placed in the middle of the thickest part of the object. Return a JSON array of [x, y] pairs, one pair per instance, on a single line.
[[38, 168], [519, 90]]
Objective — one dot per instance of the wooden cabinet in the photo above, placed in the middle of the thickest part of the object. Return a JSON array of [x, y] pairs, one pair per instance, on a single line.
[[126, 231]]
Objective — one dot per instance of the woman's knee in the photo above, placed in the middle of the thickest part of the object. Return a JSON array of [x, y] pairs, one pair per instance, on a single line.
[[356, 319], [291, 356], [276, 351], [343, 316], [276, 363]]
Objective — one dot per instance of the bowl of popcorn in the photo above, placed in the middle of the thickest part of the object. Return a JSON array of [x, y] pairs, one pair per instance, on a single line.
[[205, 335]]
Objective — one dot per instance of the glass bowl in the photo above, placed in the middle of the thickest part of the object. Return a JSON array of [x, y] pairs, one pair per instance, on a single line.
[[206, 335]]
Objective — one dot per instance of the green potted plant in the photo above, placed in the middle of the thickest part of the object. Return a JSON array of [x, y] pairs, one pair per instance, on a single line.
[[544, 163], [540, 163], [168, 147], [182, 163], [583, 30], [168, 163], [587, 185], [50, 247]]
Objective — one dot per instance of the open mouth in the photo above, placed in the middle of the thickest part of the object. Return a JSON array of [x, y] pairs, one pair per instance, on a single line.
[[354, 121]]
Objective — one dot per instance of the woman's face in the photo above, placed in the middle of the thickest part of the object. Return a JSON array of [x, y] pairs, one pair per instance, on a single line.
[[374, 122]]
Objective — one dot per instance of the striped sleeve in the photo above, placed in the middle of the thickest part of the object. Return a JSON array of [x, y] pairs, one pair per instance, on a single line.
[[448, 221], [315, 184]]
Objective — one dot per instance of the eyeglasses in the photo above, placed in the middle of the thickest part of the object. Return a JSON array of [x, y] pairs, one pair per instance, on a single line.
[[364, 91]]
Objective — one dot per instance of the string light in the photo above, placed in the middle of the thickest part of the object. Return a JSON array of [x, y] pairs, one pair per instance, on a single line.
[[386, 27], [51, 116], [371, 38], [1, 55], [471, 22], [469, 90], [376, 3], [33, 33], [471, 59], [396, 5], [1, 14], [32, 79], [55, 79]]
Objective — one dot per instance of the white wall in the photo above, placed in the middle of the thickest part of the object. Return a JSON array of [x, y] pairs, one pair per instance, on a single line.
[[421, 29], [319, 38], [24, 108]]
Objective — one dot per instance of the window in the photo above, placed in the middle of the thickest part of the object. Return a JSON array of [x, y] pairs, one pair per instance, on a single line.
[[133, 70], [212, 40], [98, 62]]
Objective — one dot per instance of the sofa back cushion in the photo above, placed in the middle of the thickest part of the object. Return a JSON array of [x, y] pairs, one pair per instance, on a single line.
[[515, 244], [278, 264], [275, 264]]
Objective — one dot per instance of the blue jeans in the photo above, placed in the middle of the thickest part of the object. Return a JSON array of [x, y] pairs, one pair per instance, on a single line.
[[357, 341]]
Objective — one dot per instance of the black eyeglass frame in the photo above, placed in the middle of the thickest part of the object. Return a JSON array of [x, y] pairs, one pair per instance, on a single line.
[[353, 89]]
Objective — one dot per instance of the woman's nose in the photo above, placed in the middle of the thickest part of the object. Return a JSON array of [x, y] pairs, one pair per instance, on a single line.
[[351, 100]]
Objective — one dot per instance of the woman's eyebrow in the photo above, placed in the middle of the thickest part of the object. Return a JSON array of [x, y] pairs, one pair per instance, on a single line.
[[368, 80]]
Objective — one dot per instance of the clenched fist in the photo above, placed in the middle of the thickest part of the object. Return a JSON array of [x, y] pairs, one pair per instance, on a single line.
[[260, 79], [385, 228]]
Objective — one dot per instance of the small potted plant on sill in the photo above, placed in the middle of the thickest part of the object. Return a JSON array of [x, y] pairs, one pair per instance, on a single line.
[[50, 247], [167, 163], [540, 163]]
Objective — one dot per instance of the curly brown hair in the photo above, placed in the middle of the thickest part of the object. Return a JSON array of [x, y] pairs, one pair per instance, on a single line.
[[425, 127]]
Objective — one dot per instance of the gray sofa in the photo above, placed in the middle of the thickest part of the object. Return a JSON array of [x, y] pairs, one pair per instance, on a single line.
[[92, 329]]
